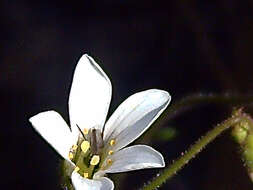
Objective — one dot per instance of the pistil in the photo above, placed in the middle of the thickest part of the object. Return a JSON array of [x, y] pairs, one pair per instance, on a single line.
[[96, 141]]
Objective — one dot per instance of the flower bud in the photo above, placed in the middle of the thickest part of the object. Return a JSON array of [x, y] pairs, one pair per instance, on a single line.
[[248, 151], [240, 132]]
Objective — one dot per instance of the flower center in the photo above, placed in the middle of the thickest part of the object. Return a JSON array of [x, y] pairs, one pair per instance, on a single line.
[[87, 153]]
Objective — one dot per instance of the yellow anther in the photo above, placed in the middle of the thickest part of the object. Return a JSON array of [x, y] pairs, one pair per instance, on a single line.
[[112, 142], [110, 152], [76, 169], [109, 161], [85, 175], [85, 146], [85, 131], [71, 155], [74, 147], [94, 160]]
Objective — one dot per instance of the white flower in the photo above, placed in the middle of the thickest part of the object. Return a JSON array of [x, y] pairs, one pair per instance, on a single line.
[[93, 147]]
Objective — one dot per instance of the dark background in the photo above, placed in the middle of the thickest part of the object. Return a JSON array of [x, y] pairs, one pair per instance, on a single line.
[[180, 46]]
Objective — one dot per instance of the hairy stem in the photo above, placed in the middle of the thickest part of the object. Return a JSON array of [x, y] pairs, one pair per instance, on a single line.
[[171, 170]]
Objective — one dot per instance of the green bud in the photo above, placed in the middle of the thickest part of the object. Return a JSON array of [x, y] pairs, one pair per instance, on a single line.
[[249, 142], [248, 158], [166, 134], [239, 133], [248, 152]]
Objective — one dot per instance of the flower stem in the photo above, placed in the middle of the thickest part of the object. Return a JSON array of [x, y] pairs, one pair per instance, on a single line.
[[171, 170]]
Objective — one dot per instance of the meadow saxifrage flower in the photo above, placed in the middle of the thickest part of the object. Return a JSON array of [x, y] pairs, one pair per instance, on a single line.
[[93, 147]]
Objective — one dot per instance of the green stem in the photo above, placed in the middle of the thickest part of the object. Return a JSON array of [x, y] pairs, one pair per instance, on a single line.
[[171, 170]]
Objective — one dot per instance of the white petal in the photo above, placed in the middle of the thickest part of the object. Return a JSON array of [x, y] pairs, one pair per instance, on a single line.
[[135, 158], [52, 127], [81, 183], [134, 116], [90, 95]]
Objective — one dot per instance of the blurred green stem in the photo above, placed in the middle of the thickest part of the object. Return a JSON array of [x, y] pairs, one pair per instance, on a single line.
[[171, 170], [192, 101]]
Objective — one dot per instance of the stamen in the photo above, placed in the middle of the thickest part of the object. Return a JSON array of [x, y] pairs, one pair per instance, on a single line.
[[112, 142], [85, 131], [74, 147], [71, 155], [85, 146], [109, 161], [94, 160], [85, 175], [110, 152], [76, 169]]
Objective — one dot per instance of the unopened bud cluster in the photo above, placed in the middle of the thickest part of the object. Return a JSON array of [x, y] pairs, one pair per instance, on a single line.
[[243, 135]]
